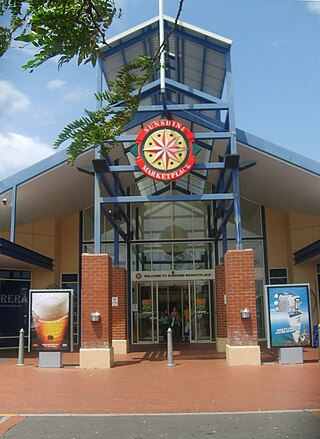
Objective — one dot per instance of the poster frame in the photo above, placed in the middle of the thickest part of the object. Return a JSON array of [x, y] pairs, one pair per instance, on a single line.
[[70, 322], [268, 312]]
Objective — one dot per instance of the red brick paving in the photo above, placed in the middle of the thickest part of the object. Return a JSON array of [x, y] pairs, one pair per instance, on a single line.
[[141, 382]]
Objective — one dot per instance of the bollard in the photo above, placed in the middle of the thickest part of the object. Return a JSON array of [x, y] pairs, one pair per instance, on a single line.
[[170, 348], [21, 348]]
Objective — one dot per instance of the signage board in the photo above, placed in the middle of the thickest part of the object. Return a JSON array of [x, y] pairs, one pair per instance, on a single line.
[[288, 315], [172, 275], [115, 301], [50, 320], [165, 150]]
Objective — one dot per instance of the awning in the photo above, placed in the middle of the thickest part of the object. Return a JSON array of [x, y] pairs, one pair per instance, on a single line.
[[11, 252], [310, 253]]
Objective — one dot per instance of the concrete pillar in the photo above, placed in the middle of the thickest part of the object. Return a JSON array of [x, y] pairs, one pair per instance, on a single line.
[[96, 336], [242, 347], [221, 309], [119, 312]]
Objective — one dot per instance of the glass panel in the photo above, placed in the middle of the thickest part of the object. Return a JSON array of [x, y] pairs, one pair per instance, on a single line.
[[278, 272], [162, 257], [186, 313], [134, 307], [141, 221], [183, 256], [88, 221], [182, 226], [109, 249], [250, 218], [202, 310], [14, 296], [200, 220], [260, 309], [145, 312], [163, 312], [175, 305], [162, 221], [201, 256], [69, 277], [88, 224], [141, 257], [70, 282], [88, 248], [5, 274]]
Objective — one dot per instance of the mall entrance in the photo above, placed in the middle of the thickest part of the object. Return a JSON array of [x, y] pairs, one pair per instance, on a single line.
[[152, 299]]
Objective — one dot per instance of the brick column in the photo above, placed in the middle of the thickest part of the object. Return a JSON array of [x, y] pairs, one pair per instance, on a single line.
[[221, 309], [96, 337], [242, 347], [119, 313]]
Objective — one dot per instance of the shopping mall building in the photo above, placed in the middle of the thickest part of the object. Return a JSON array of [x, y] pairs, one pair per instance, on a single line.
[[183, 209]]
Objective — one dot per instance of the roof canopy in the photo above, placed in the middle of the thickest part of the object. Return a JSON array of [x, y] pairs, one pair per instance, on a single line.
[[195, 80]]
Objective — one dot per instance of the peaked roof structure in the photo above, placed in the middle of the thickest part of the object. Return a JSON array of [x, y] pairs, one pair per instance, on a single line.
[[197, 69]]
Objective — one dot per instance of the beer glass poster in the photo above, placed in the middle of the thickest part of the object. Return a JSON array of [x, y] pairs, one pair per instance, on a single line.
[[288, 315], [50, 320]]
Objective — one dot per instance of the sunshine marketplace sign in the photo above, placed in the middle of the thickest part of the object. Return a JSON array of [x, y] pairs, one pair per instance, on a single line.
[[165, 150]]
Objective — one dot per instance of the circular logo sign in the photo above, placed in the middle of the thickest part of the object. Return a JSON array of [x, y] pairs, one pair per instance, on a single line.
[[165, 150]]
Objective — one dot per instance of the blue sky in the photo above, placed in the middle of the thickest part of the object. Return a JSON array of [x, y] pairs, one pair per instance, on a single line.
[[276, 73]]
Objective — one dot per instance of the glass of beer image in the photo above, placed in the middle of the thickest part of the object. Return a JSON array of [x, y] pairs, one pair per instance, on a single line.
[[50, 316]]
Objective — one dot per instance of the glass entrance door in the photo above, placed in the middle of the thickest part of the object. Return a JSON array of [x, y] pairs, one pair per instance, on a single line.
[[152, 300], [172, 296], [144, 313], [201, 324]]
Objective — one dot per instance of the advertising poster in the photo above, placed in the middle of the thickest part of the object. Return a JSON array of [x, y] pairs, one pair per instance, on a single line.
[[50, 320], [288, 315]]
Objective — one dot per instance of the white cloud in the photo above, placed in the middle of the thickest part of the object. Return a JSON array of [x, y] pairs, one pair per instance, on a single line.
[[11, 99], [56, 83], [77, 94], [313, 6], [18, 152]]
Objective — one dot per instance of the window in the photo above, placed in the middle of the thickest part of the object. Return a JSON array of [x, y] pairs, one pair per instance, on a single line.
[[278, 276]]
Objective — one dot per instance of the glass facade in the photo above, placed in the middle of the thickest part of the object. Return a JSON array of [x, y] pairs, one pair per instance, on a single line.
[[175, 237]]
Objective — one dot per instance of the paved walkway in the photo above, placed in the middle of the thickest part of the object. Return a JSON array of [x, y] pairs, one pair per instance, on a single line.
[[141, 383]]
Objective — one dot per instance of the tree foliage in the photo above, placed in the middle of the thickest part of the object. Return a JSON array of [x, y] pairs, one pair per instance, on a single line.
[[64, 28], [77, 28]]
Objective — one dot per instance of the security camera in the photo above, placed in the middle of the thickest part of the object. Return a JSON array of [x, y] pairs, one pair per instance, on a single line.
[[4, 201]]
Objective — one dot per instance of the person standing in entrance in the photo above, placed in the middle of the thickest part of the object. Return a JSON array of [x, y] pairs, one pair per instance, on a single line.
[[175, 324], [186, 317]]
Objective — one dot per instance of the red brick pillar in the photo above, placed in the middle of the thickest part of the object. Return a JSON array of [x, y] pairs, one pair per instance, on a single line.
[[242, 347], [96, 336], [221, 309], [119, 310]]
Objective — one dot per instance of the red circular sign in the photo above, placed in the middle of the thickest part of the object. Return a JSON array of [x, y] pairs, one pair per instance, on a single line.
[[165, 150]]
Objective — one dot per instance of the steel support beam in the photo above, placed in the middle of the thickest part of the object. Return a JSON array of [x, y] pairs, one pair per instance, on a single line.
[[13, 214], [168, 198]]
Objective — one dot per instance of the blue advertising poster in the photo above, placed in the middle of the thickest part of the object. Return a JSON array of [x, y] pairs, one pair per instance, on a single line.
[[288, 315]]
